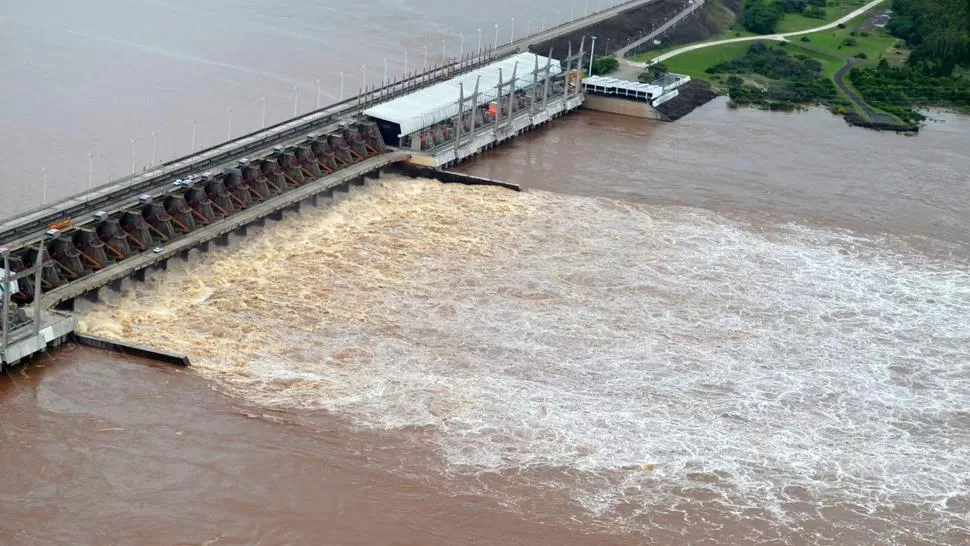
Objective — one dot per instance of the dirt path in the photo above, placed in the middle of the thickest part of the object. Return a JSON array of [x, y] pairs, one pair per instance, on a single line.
[[873, 115]]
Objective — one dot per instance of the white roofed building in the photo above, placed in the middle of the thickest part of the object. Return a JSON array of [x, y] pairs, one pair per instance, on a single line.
[[404, 116]]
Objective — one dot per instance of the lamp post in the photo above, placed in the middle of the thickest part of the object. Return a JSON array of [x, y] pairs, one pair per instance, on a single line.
[[132, 158], [442, 51], [43, 188], [193, 131], [296, 99], [405, 61], [592, 48], [229, 123], [341, 86], [512, 34], [154, 140], [318, 93], [461, 47], [263, 125], [495, 43], [90, 169], [479, 40], [425, 65], [363, 79]]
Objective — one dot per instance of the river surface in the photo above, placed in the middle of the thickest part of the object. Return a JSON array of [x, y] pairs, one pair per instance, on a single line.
[[740, 328]]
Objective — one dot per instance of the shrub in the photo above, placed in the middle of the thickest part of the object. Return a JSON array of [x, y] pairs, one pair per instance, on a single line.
[[849, 42], [806, 39], [734, 80], [814, 12], [604, 65], [862, 55], [864, 34], [840, 25]]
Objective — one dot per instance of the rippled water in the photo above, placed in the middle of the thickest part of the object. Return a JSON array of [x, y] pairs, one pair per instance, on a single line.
[[653, 364]]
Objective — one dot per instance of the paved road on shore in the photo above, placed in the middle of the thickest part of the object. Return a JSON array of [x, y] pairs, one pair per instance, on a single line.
[[778, 37]]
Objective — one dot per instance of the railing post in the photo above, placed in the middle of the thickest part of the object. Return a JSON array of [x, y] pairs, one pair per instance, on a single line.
[[5, 311], [38, 279]]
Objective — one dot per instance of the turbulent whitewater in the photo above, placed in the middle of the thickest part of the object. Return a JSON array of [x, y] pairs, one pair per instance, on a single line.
[[635, 357]]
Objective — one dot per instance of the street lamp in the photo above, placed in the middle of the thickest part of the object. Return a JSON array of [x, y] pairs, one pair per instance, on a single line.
[[43, 195], [90, 169], [341, 86], [296, 99], [442, 51], [479, 40], [495, 43], [363, 81], [318, 93], [263, 126], [193, 130], [592, 49], [154, 139], [461, 47], [425, 65], [133, 157], [384, 79], [512, 34], [229, 125]]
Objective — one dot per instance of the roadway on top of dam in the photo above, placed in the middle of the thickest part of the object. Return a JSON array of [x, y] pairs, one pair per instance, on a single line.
[[30, 226]]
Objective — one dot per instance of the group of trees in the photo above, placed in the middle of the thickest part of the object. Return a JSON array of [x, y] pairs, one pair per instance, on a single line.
[[897, 89], [794, 79], [761, 16], [604, 65], [937, 31], [775, 63]]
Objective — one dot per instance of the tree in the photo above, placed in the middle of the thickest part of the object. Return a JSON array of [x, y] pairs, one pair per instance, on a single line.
[[761, 17]]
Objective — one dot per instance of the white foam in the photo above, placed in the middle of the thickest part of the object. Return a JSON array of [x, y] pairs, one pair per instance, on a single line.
[[542, 331]]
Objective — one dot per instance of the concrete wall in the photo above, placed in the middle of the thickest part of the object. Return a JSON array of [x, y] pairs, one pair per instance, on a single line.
[[622, 106]]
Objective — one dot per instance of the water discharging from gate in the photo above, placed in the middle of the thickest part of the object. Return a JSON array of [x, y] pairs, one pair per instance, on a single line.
[[649, 363]]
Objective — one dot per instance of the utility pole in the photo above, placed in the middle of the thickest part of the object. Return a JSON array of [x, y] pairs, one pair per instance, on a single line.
[[592, 48]]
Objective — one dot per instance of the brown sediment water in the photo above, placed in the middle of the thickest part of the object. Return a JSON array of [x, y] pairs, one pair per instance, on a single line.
[[647, 364], [741, 328]]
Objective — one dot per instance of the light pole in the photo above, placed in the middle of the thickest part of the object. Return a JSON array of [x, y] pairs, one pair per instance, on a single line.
[[43, 195], [133, 157], [461, 47], [592, 49], [263, 126], [479, 40], [512, 33], [90, 169], [405, 61], [384, 79], [296, 99], [318, 93], [495, 43], [363, 79], [341, 86], [229, 125], [154, 140], [528, 27], [586, 11], [572, 8], [442, 51], [558, 20], [425, 65], [193, 132], [542, 23]]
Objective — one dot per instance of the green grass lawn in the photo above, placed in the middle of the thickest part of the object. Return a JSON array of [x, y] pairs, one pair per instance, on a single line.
[[694, 63], [876, 44], [793, 22]]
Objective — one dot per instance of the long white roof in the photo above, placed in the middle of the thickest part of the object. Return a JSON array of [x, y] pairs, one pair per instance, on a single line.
[[439, 102]]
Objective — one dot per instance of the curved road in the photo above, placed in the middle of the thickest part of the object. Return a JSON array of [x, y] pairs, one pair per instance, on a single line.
[[778, 37]]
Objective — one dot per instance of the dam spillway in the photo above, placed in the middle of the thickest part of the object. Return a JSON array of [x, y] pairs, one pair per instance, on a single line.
[[74, 248]]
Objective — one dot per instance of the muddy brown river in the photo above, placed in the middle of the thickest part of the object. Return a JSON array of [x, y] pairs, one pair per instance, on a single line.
[[740, 328]]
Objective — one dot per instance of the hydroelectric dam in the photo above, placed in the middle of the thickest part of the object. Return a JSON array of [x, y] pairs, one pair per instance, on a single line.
[[421, 122]]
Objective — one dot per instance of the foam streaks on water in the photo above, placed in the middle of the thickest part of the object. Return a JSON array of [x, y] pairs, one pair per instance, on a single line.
[[793, 375]]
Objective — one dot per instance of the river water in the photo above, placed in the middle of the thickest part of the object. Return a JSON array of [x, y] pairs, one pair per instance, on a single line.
[[743, 327]]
